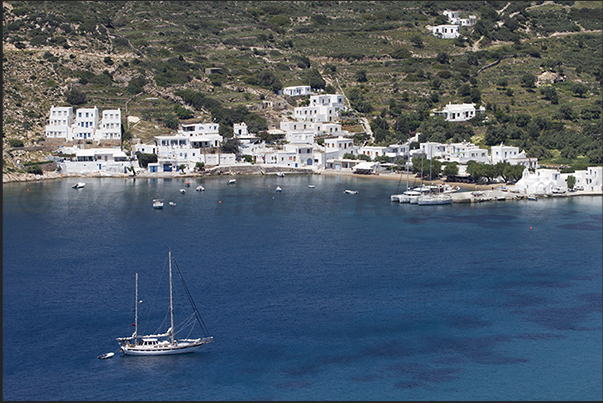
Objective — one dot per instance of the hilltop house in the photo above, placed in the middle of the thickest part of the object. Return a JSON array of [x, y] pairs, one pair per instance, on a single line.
[[453, 18], [297, 90], [446, 31], [459, 112], [84, 125]]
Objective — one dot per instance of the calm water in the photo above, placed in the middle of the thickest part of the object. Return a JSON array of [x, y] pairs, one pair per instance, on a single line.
[[310, 294]]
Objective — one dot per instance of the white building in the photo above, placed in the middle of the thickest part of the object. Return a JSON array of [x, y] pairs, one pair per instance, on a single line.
[[322, 108], [446, 31], [240, 129], [297, 90], [110, 125], [60, 123], [591, 179], [83, 125], [109, 160], [512, 155], [459, 112], [340, 145], [453, 18], [541, 182]]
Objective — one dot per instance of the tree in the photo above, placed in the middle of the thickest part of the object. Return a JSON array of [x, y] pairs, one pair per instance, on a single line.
[[417, 41], [443, 58], [360, 76], [315, 80], [170, 121], [451, 169], [401, 53], [76, 97], [528, 80], [571, 181], [579, 89], [231, 146]]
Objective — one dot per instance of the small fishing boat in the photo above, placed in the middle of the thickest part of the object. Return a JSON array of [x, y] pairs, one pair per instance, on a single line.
[[232, 181], [79, 185], [199, 188], [278, 189], [350, 192], [158, 203], [105, 356], [533, 198], [311, 186], [187, 184], [172, 203], [183, 191], [280, 174]]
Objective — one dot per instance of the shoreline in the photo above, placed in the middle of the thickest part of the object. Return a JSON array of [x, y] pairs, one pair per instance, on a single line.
[[491, 192]]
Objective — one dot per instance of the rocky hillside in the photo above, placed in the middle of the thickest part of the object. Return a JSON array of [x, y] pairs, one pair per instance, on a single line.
[[534, 65]]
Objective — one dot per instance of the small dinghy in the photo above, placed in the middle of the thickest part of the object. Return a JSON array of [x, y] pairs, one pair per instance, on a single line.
[[79, 185], [199, 188], [278, 189], [182, 191], [105, 356], [172, 203], [350, 192], [311, 186], [232, 181]]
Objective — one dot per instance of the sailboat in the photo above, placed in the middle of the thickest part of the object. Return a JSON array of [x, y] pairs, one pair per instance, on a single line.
[[431, 198], [165, 343], [409, 195]]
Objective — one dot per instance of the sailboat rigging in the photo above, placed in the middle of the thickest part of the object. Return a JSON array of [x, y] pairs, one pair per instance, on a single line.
[[165, 343]]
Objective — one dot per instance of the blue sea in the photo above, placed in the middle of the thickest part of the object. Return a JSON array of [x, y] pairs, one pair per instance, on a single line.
[[310, 294]]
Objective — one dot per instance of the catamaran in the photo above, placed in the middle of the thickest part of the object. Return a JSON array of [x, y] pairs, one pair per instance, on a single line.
[[166, 343]]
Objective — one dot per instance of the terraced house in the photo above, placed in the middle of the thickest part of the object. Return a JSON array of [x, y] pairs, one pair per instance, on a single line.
[[84, 126]]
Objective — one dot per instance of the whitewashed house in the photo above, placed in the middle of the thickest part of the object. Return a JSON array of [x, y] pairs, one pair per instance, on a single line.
[[591, 179], [464, 152], [446, 31], [367, 167], [240, 129], [110, 125], [102, 160], [373, 151], [297, 90], [322, 108], [453, 18], [60, 123], [83, 125], [459, 112], [512, 155], [338, 146]]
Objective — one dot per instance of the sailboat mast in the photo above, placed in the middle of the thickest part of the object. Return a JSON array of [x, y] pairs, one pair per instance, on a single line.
[[171, 302], [136, 309]]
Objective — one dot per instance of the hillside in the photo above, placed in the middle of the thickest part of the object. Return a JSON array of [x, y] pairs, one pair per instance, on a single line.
[[535, 66]]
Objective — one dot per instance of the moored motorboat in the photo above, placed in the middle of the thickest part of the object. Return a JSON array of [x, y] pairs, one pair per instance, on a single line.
[[350, 192], [311, 186], [278, 189], [199, 188], [182, 191], [79, 185], [105, 356], [232, 181], [158, 203]]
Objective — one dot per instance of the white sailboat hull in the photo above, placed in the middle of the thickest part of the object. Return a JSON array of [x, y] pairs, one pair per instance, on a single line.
[[180, 347]]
